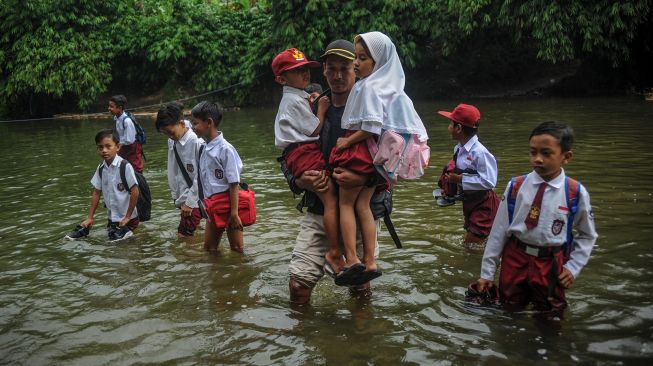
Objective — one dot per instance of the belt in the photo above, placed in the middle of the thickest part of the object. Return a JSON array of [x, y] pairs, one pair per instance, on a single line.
[[535, 251]]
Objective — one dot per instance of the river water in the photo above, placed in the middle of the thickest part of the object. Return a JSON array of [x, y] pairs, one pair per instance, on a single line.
[[156, 299]]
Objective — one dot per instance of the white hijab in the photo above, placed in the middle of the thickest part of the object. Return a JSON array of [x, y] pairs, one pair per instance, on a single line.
[[379, 99]]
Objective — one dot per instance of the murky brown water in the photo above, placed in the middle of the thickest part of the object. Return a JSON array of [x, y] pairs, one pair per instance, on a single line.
[[155, 299]]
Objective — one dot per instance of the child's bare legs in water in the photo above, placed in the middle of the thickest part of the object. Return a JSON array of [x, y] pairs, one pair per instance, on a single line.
[[368, 227], [330, 201], [212, 238]]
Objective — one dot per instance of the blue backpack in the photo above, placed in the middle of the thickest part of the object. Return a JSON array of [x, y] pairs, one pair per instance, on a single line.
[[140, 131], [572, 192]]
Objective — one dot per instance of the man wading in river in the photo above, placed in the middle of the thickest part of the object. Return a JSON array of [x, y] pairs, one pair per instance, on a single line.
[[307, 264]]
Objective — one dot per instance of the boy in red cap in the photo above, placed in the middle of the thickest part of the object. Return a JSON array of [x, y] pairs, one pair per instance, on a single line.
[[533, 235], [474, 171], [296, 131]]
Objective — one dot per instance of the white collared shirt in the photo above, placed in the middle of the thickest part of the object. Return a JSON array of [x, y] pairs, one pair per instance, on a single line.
[[116, 196], [551, 229], [125, 128], [187, 148], [220, 166], [474, 155], [295, 122]]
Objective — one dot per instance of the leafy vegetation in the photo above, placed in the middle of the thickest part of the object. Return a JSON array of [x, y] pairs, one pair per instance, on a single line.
[[75, 50]]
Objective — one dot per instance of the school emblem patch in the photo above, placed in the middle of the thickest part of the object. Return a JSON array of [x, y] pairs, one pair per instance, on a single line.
[[120, 187], [556, 228], [219, 173], [190, 168], [298, 55]]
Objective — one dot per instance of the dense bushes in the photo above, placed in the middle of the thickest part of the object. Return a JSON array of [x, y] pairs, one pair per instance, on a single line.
[[74, 49]]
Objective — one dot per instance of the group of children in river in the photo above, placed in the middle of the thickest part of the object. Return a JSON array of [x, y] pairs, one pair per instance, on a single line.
[[528, 231]]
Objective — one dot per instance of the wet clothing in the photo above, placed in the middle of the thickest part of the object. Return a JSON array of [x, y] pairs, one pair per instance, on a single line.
[[130, 149], [528, 254], [188, 224], [116, 196], [479, 210]]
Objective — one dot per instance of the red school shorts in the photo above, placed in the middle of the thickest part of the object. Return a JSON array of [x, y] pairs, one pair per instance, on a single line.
[[133, 154], [480, 208], [525, 279], [303, 157], [188, 224], [218, 208], [356, 158]]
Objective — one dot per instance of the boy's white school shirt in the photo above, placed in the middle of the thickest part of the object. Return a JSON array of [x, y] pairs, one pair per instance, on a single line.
[[116, 196], [475, 155], [551, 229], [220, 166], [187, 148], [125, 128], [295, 122]]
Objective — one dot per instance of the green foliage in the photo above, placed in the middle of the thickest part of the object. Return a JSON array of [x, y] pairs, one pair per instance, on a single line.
[[77, 48]]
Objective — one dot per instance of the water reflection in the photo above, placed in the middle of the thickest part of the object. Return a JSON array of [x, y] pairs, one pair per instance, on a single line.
[[156, 299]]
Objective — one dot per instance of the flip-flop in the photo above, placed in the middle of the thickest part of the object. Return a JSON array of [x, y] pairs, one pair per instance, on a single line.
[[365, 277], [348, 274]]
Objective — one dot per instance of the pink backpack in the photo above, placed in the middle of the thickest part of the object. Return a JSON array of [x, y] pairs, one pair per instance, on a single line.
[[402, 156]]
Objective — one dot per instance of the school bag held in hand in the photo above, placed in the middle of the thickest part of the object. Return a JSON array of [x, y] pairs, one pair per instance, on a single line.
[[144, 203]]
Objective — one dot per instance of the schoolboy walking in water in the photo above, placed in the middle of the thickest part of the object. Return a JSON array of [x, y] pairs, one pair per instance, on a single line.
[[377, 103], [296, 132], [532, 232], [107, 181], [219, 174], [130, 149], [475, 172], [182, 166]]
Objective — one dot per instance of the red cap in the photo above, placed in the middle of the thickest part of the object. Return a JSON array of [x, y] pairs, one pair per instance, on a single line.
[[465, 114], [290, 59]]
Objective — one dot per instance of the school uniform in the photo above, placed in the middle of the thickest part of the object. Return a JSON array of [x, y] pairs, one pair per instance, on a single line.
[[116, 196], [293, 127], [183, 194], [479, 178], [529, 255], [129, 148]]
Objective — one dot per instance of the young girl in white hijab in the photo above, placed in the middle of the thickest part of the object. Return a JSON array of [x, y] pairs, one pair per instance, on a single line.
[[377, 103]]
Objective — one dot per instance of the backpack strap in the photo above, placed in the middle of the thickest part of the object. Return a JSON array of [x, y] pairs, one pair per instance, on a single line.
[[572, 194], [189, 181], [200, 188], [123, 174], [515, 184]]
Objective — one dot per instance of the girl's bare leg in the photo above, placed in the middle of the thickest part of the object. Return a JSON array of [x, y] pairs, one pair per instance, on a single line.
[[368, 226], [330, 200], [346, 204]]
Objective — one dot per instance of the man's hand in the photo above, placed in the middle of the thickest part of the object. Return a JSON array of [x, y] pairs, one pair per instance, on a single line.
[[323, 104], [484, 285], [313, 180], [348, 179], [186, 211], [566, 278]]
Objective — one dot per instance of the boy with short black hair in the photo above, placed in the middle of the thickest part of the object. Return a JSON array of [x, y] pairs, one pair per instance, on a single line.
[[532, 232], [296, 132], [130, 148], [218, 176], [107, 181], [183, 146], [473, 171]]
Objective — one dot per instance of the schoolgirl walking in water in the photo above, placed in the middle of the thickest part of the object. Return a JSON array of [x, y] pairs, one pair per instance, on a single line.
[[376, 104]]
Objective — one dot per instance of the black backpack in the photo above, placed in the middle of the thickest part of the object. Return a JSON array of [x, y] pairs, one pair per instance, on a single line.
[[140, 132], [144, 203]]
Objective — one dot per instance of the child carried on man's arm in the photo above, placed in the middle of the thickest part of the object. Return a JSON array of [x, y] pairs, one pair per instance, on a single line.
[[296, 131], [108, 181], [376, 105], [532, 232]]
